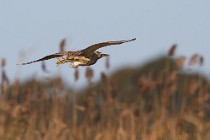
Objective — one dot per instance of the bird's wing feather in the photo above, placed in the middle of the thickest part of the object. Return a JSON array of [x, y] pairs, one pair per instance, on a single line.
[[91, 49], [45, 58]]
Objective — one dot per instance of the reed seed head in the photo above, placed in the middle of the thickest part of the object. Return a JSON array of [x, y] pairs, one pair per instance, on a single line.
[[76, 74], [3, 62], [89, 74], [107, 63], [172, 50], [196, 59], [62, 45]]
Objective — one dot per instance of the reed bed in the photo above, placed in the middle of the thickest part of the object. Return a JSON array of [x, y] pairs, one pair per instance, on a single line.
[[158, 101]]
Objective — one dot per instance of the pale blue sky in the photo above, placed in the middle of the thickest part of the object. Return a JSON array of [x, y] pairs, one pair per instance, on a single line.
[[38, 26]]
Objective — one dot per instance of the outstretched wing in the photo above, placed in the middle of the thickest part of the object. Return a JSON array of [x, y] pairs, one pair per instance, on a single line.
[[44, 58], [91, 49]]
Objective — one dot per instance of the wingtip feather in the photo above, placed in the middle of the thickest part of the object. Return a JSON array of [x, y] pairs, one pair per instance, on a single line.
[[132, 39]]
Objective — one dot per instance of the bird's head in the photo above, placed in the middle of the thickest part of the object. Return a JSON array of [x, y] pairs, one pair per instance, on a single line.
[[100, 55]]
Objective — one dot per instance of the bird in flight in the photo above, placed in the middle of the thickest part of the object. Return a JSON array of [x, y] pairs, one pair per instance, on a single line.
[[85, 57]]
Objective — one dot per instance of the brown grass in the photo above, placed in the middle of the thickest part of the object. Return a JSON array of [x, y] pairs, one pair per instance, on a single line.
[[154, 105]]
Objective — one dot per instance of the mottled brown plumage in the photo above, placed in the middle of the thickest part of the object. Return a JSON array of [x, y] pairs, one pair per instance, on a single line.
[[85, 57]]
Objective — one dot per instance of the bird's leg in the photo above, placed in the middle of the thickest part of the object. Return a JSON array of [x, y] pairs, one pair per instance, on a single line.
[[76, 61], [59, 61], [62, 61]]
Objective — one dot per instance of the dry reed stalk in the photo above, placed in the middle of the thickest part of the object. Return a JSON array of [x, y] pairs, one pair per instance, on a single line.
[[180, 61], [4, 82], [106, 133], [59, 83], [206, 130], [127, 123], [81, 108], [171, 125], [197, 123], [80, 134], [171, 53], [31, 128], [172, 77], [158, 130], [109, 88], [74, 106], [192, 86], [74, 113], [121, 134], [146, 84], [4, 79], [99, 136]]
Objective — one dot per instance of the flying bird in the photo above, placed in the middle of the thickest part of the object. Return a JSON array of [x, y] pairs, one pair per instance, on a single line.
[[85, 57]]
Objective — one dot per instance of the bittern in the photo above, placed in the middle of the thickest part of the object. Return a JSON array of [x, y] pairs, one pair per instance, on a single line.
[[85, 57]]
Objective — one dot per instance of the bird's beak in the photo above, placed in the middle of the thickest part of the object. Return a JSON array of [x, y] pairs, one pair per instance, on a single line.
[[104, 55]]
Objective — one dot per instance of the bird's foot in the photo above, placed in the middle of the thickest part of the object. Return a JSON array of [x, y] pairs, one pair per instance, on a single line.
[[61, 61]]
